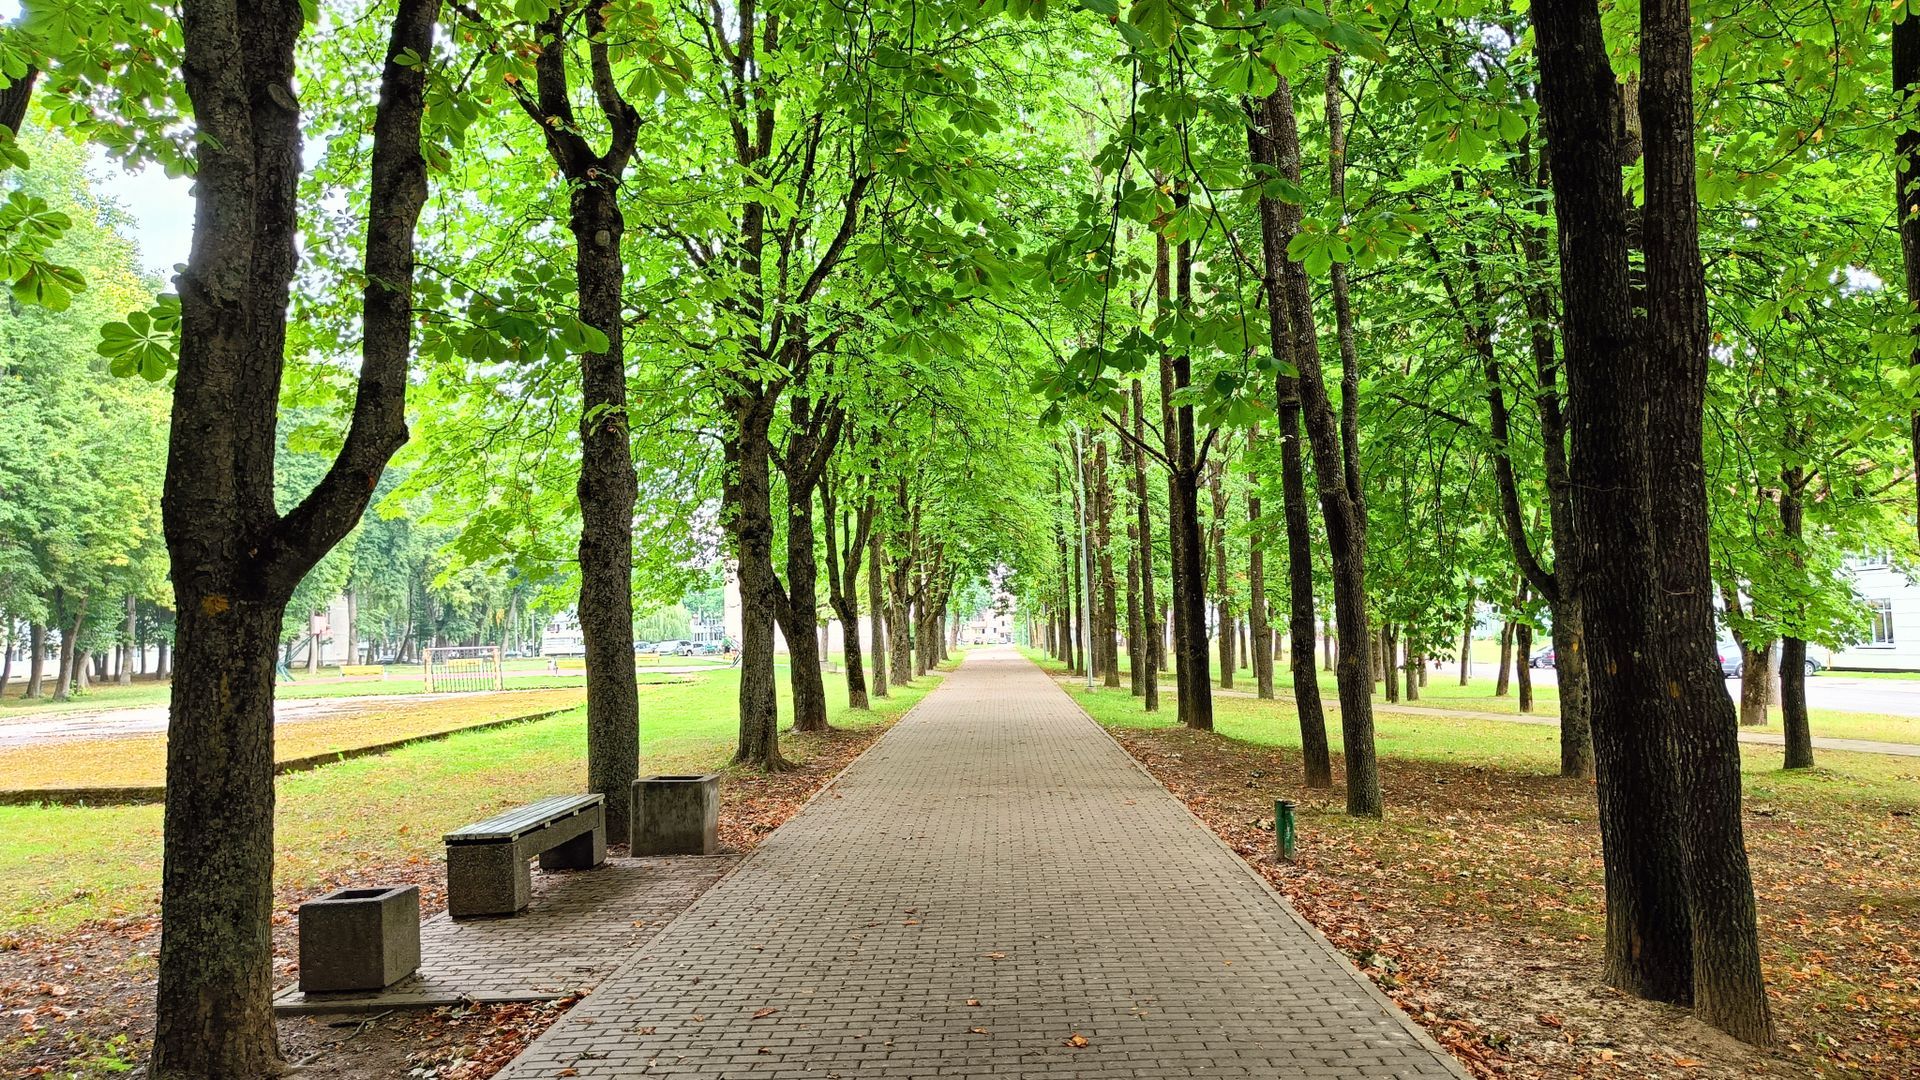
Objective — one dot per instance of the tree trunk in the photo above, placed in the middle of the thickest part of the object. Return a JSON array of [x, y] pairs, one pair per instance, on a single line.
[[1102, 499], [36, 659], [798, 608], [1152, 654], [1794, 724], [843, 584], [1260, 634], [1522, 668], [876, 607], [1195, 698], [1507, 659], [235, 562], [1679, 898], [1756, 681], [1222, 580], [1906, 149], [607, 495], [1728, 989], [1416, 669], [1342, 505], [350, 645], [1466, 646], [751, 507], [1390, 662], [71, 656]]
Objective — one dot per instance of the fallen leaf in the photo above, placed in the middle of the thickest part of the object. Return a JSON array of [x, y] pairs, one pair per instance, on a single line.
[[977, 1031], [996, 956], [975, 1002], [1075, 1040], [762, 1014]]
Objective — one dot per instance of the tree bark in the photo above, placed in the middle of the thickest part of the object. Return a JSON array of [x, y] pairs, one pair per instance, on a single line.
[[750, 507], [876, 606], [1728, 990], [1507, 659], [1342, 506], [1794, 723], [1260, 633], [1222, 580], [235, 562], [1906, 149], [36, 659], [1102, 499], [1679, 897], [1150, 639], [843, 582], [71, 655]]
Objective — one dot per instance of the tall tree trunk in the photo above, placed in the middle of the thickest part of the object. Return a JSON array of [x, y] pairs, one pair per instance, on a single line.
[[607, 494], [351, 643], [1342, 505], [843, 582], [876, 608], [1756, 681], [235, 562], [71, 655], [798, 611], [1152, 654], [1906, 147], [1507, 659], [1679, 895], [1390, 662], [1522, 670], [1260, 633], [1102, 499], [1183, 508], [1728, 989], [1794, 724], [750, 509], [1223, 584], [36, 659], [1466, 646]]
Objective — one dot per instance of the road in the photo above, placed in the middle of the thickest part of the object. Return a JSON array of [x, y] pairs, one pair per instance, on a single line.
[[1827, 690]]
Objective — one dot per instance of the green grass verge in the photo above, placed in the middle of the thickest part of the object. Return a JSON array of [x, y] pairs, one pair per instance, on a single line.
[[64, 866], [1842, 778]]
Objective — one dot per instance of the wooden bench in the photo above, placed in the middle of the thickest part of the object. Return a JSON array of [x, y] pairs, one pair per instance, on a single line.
[[487, 860]]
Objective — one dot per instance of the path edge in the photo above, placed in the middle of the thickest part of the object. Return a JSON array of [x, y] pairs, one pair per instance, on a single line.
[[1392, 1007]]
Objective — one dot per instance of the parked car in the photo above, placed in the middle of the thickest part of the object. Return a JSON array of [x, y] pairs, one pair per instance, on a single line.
[[1542, 659], [707, 648], [643, 647], [1731, 664], [673, 647]]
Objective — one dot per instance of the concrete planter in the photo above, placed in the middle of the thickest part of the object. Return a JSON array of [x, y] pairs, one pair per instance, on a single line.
[[359, 939], [676, 815]]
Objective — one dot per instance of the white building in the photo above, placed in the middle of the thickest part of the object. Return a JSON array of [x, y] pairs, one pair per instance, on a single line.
[[1892, 642]]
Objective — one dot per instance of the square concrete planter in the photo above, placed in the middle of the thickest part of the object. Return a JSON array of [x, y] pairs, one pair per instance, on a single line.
[[359, 939], [676, 815]]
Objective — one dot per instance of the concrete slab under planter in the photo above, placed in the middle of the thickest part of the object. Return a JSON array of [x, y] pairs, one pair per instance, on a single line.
[[359, 939], [676, 815]]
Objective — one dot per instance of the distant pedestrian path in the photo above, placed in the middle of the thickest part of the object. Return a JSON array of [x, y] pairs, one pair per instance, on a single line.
[[993, 890]]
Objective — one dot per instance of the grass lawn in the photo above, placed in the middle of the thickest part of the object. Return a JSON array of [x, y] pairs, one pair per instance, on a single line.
[[64, 866], [140, 760], [1443, 691]]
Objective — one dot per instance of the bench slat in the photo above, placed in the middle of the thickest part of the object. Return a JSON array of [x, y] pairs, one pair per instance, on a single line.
[[520, 820]]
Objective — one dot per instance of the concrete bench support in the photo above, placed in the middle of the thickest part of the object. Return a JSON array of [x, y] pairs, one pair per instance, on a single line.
[[487, 861], [676, 815]]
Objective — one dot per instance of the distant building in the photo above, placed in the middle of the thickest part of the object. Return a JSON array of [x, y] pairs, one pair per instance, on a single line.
[[1892, 642]]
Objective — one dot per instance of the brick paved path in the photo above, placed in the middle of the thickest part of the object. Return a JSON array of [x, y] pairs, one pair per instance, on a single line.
[[995, 847]]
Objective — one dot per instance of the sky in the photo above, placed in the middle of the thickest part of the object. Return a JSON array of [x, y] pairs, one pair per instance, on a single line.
[[161, 206]]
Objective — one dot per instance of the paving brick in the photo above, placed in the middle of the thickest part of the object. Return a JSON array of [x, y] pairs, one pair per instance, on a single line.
[[995, 845]]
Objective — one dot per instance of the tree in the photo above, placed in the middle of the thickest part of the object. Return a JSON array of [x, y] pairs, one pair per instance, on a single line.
[[236, 561]]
